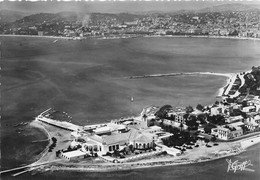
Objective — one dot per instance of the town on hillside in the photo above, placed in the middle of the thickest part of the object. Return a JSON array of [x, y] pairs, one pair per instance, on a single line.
[[239, 22], [234, 116]]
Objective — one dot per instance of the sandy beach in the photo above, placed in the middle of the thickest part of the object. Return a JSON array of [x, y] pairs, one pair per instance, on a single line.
[[62, 136]]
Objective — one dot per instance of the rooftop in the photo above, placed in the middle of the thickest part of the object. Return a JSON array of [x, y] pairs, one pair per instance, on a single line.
[[236, 124], [116, 138], [72, 154]]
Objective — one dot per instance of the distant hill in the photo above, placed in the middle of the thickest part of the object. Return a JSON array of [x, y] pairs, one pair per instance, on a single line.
[[73, 17], [21, 17], [229, 7], [11, 16], [49, 17]]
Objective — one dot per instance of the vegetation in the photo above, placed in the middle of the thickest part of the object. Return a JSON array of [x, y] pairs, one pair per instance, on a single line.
[[162, 112], [192, 123], [208, 127], [199, 107], [189, 109], [216, 119], [180, 138], [54, 141], [202, 118]]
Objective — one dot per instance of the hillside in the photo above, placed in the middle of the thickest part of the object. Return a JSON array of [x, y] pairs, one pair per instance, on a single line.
[[229, 7], [48, 17], [11, 16]]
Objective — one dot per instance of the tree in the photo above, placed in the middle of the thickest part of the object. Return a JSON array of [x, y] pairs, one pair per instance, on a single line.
[[208, 127], [127, 150], [174, 130], [58, 153], [116, 153], [206, 141], [201, 118], [162, 112], [144, 117], [185, 116], [151, 122], [192, 122], [189, 109], [181, 126], [220, 119], [244, 129], [213, 138], [131, 147], [199, 107]]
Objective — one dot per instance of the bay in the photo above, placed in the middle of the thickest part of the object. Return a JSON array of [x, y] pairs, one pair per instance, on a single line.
[[88, 79]]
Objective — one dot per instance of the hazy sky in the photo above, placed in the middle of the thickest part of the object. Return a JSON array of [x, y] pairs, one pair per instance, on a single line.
[[115, 7]]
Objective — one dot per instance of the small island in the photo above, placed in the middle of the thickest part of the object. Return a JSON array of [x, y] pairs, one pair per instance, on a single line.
[[158, 136]]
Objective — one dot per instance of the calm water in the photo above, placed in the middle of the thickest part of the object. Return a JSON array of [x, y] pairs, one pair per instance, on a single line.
[[87, 80]]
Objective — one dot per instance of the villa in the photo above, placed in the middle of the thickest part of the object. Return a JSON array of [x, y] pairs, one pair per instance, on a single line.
[[226, 133]]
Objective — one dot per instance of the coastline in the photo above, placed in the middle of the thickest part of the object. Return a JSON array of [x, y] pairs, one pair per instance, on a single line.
[[225, 149], [229, 76], [222, 152], [209, 36], [125, 37], [221, 91], [197, 155], [157, 163], [45, 151]]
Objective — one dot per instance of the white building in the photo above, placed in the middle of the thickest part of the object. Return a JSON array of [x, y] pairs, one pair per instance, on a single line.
[[248, 109], [234, 118], [221, 133], [73, 155], [252, 123], [174, 123], [226, 133]]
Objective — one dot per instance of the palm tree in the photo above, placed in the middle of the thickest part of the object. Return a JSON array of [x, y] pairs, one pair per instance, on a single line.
[[144, 117], [181, 126]]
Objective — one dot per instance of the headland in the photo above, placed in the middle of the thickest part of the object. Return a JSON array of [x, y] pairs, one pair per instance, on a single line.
[[158, 136]]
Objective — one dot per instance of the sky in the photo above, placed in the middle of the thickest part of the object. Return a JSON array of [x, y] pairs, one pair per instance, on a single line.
[[116, 6]]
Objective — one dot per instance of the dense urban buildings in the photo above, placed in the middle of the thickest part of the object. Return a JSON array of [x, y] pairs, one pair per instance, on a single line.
[[242, 23]]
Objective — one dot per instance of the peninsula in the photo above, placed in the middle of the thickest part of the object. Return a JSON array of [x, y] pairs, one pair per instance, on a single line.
[[158, 136]]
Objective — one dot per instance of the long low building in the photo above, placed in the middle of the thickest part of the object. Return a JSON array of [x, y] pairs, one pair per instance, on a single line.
[[61, 124]]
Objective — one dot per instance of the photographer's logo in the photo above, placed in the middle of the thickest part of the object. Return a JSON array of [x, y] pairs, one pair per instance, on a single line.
[[239, 166]]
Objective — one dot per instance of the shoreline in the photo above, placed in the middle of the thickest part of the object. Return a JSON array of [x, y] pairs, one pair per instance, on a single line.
[[164, 163], [205, 36], [222, 151], [36, 124], [219, 93], [197, 155], [136, 36], [152, 164], [222, 90], [172, 161]]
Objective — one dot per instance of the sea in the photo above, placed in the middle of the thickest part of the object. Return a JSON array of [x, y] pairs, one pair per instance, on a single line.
[[89, 80]]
